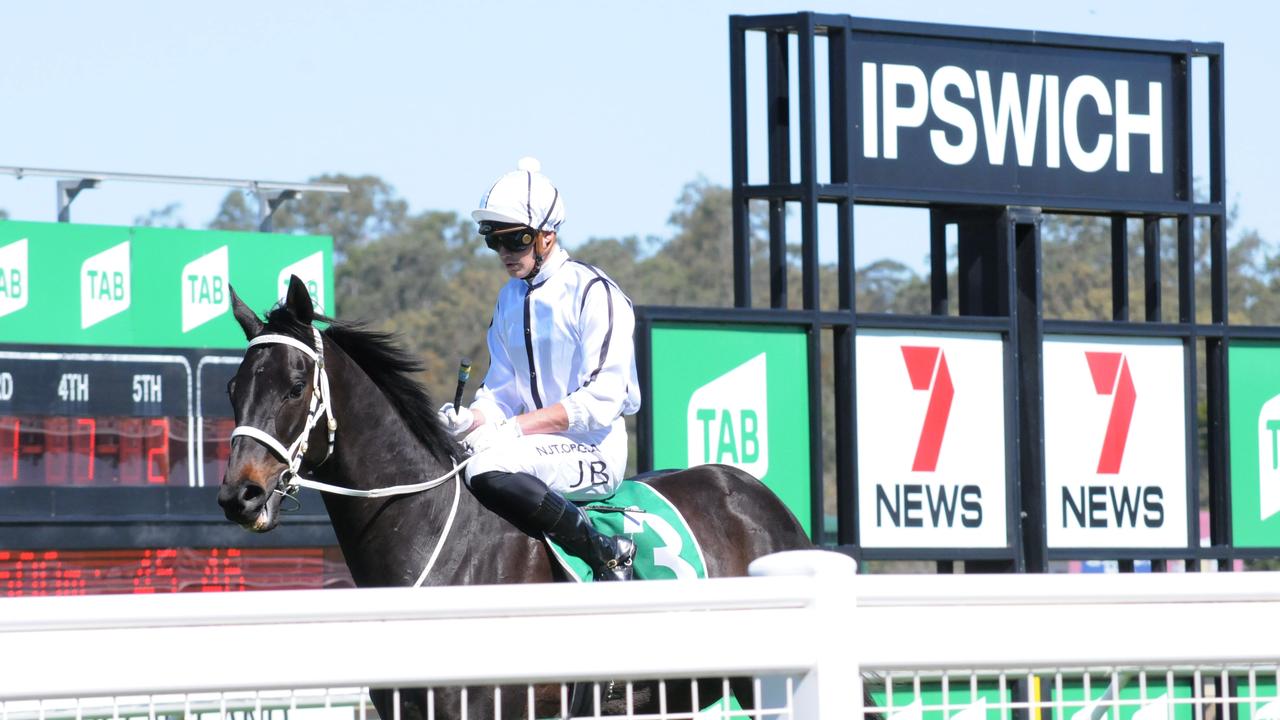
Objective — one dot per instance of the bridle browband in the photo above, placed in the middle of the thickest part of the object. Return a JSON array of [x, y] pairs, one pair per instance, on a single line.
[[320, 406]]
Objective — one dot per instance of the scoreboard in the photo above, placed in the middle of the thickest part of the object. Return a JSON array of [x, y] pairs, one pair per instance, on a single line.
[[116, 347], [81, 419], [113, 419]]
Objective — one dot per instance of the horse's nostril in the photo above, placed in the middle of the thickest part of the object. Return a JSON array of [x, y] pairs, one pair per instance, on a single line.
[[250, 493]]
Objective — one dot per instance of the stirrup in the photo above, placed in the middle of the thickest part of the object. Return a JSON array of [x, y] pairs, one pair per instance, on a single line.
[[619, 568]]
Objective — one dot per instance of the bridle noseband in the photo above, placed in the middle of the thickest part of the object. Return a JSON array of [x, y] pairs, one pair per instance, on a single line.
[[320, 406]]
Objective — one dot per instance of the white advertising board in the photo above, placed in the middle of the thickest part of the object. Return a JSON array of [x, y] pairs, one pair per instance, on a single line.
[[931, 440], [1115, 448]]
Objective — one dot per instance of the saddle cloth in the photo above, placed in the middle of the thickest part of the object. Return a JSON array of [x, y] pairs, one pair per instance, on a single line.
[[665, 546]]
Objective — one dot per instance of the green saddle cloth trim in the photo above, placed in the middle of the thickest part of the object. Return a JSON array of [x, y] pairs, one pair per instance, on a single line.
[[665, 546]]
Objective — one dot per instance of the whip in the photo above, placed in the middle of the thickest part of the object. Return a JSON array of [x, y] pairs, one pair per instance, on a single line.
[[464, 374]]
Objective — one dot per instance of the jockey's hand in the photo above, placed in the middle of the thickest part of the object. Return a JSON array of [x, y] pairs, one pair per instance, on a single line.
[[456, 420], [492, 434]]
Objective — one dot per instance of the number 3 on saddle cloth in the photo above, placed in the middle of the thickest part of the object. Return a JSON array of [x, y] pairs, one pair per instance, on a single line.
[[665, 547]]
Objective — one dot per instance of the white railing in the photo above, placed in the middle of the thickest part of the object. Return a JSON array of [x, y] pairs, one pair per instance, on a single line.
[[808, 626]]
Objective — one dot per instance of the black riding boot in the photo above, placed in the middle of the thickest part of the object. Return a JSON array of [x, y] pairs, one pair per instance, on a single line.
[[609, 557], [529, 505]]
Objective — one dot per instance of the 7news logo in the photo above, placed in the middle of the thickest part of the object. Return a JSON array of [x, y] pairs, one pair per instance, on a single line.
[[1115, 503], [914, 503]]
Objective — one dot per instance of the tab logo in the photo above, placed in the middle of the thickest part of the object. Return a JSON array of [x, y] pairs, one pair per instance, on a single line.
[[14, 287], [310, 270], [1269, 458], [728, 419], [104, 285], [205, 293]]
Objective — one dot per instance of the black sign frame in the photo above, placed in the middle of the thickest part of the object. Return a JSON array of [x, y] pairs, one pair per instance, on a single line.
[[997, 224]]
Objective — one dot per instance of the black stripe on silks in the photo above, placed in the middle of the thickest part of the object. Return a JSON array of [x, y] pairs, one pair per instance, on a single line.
[[600, 278], [583, 305], [528, 201], [528, 347], [608, 333]]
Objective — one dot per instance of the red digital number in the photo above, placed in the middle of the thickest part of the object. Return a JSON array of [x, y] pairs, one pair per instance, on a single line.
[[83, 444], [158, 451], [10, 427], [59, 451]]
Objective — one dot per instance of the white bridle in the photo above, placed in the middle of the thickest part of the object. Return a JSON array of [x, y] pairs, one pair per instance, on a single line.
[[322, 405]]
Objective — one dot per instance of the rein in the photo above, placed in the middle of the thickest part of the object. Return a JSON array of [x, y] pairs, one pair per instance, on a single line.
[[322, 406]]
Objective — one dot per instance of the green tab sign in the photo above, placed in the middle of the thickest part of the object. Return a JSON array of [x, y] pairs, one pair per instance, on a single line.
[[735, 396], [1255, 442], [1132, 702], [1256, 696], [959, 703], [66, 284]]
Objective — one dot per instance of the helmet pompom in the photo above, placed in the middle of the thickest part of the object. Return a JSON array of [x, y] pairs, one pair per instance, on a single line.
[[529, 164]]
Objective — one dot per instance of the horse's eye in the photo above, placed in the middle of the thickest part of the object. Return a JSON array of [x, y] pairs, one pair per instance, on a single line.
[[296, 390]]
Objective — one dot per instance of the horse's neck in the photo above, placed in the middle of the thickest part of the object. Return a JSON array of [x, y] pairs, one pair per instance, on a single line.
[[388, 539]]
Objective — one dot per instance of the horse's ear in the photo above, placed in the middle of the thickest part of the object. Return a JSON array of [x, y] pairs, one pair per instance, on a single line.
[[298, 300], [247, 318]]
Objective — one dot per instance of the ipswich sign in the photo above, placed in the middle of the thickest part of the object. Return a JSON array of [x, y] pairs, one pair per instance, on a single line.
[[1019, 121]]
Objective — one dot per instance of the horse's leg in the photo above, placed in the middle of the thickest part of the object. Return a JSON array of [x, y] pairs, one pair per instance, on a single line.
[[679, 696], [744, 692], [413, 703], [444, 703]]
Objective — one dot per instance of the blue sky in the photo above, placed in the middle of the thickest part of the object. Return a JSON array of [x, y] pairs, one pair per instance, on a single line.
[[624, 103]]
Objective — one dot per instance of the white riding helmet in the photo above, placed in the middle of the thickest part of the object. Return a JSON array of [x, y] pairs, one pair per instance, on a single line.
[[525, 197]]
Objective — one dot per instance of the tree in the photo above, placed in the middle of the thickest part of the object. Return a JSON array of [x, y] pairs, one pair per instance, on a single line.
[[694, 267], [369, 211], [434, 283], [888, 286], [162, 217]]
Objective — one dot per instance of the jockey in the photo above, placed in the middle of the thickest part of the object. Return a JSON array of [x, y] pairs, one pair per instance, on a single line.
[[546, 426]]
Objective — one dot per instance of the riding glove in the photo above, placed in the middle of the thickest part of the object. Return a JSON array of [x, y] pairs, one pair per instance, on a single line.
[[492, 433], [456, 420]]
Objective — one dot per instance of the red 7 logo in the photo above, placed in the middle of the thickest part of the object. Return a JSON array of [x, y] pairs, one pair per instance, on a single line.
[[1111, 377], [921, 363]]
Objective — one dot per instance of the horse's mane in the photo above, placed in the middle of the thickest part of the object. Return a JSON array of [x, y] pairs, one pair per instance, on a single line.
[[388, 365]]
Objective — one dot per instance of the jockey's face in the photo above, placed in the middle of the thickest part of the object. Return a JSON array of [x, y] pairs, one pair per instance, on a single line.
[[520, 263]]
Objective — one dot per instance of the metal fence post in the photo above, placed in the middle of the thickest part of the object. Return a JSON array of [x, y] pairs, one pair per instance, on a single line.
[[833, 686]]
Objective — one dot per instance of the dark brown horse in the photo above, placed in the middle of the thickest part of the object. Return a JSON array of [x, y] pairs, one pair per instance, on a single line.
[[387, 434]]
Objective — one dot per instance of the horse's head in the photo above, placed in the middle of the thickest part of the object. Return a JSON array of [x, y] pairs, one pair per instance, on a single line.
[[280, 411]]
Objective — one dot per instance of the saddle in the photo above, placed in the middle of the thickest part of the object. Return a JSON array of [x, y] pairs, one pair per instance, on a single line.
[[665, 546]]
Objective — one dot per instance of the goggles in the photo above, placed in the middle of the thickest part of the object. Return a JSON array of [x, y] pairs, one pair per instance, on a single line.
[[514, 238]]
